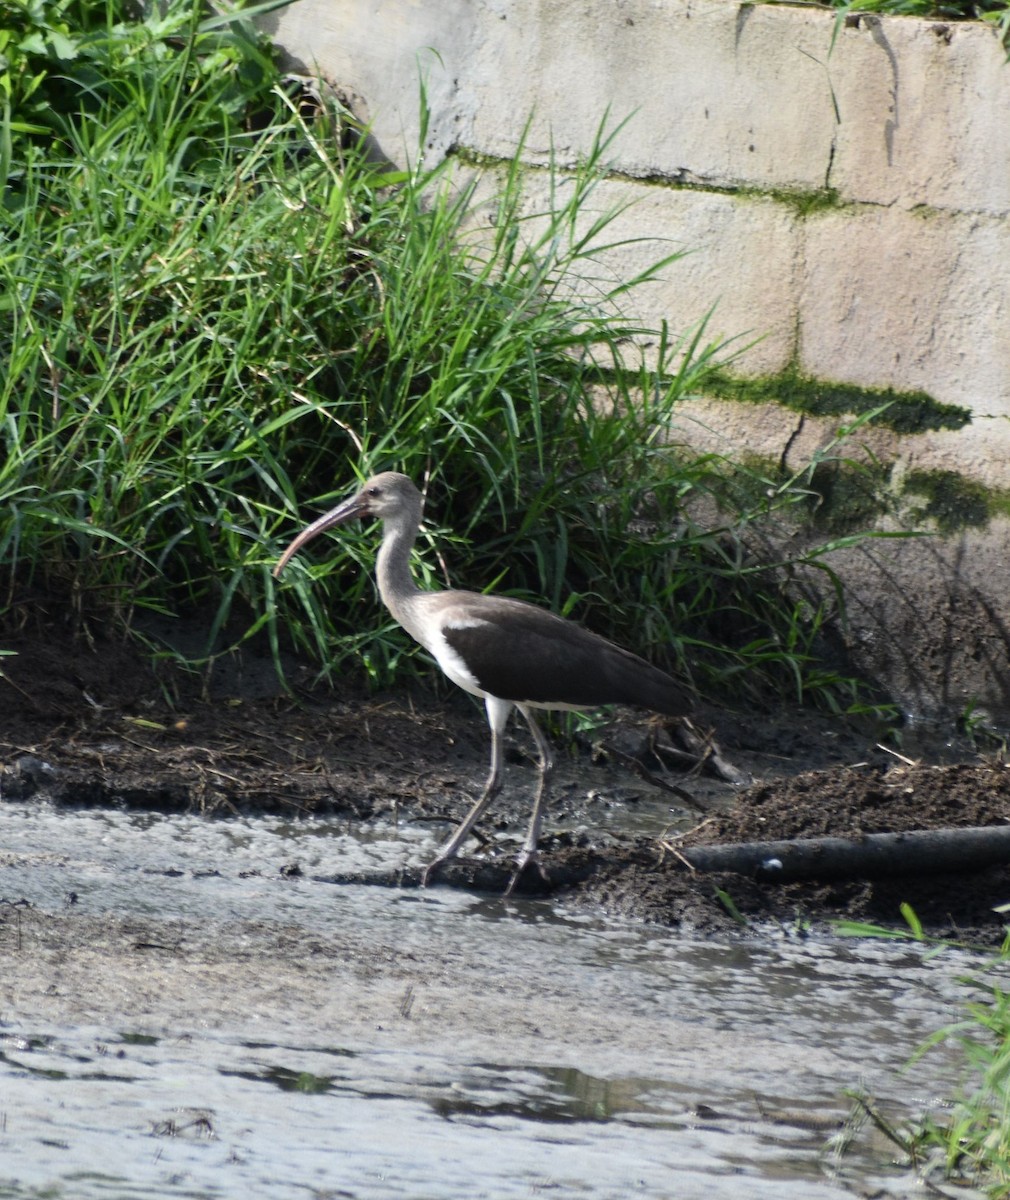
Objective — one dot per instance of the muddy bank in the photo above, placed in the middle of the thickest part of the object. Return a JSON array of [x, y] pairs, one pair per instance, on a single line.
[[91, 725]]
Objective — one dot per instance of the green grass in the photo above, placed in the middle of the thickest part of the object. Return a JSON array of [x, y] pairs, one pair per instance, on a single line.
[[217, 316], [971, 1143], [956, 10], [997, 11]]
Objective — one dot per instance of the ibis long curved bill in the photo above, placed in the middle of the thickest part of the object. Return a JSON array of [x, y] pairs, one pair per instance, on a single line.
[[348, 510]]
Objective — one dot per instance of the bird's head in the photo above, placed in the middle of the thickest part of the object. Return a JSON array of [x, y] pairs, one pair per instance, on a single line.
[[388, 497]]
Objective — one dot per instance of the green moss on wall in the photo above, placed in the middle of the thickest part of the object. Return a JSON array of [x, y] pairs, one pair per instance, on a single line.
[[951, 501], [847, 497], [904, 412], [835, 496], [803, 204], [844, 496]]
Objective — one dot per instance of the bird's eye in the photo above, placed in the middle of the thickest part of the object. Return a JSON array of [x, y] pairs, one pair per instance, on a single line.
[[374, 491]]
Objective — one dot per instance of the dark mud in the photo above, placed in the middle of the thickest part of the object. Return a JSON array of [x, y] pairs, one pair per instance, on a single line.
[[85, 723]]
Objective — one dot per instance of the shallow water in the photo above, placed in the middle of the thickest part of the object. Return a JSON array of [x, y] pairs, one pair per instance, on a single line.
[[177, 1018]]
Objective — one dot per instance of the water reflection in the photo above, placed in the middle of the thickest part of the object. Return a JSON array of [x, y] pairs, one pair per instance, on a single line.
[[553, 1094]]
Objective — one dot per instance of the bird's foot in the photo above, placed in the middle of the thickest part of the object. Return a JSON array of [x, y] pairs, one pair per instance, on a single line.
[[433, 868], [523, 859]]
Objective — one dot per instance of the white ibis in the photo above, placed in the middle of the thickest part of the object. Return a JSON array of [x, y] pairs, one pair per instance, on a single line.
[[510, 653]]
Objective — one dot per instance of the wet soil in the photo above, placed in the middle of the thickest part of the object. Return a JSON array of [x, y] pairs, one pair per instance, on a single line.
[[91, 723]]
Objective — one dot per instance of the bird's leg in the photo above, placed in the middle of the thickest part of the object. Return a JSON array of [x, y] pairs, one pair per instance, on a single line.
[[491, 789], [528, 853]]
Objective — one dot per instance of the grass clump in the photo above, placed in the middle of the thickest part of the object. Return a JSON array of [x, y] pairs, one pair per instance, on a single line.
[[966, 1143], [955, 10], [973, 1143], [969, 1143], [996, 11], [218, 314]]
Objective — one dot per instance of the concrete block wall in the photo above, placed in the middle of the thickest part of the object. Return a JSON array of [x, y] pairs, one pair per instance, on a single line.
[[844, 192]]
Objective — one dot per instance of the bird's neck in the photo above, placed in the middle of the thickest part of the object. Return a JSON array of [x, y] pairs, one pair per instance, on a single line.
[[392, 569]]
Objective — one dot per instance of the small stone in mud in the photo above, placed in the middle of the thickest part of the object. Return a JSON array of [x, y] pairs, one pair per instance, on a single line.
[[25, 776]]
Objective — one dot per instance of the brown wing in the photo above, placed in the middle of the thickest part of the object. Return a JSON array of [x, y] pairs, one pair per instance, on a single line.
[[524, 653]]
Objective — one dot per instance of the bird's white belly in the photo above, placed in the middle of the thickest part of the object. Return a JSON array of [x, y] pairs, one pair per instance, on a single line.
[[453, 665]]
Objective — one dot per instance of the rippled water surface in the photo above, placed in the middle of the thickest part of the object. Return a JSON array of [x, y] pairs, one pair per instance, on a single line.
[[213, 1028]]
